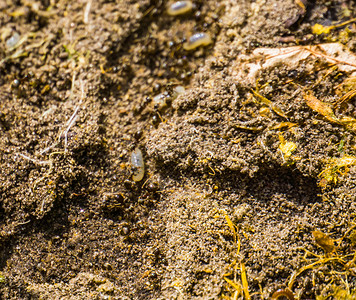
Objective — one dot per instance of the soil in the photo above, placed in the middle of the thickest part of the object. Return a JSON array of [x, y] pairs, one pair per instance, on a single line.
[[249, 186]]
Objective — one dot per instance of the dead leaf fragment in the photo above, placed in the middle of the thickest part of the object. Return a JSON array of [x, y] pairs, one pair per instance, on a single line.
[[320, 107], [286, 147], [324, 241], [263, 58]]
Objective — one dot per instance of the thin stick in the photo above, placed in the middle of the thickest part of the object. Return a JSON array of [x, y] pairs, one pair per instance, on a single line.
[[35, 161], [87, 12], [70, 123]]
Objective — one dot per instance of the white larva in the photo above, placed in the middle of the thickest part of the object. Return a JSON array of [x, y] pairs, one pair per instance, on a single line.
[[197, 40], [137, 164], [180, 8]]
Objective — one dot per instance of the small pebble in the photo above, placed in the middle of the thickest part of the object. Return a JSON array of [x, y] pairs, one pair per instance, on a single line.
[[125, 230], [15, 84], [179, 89], [155, 119]]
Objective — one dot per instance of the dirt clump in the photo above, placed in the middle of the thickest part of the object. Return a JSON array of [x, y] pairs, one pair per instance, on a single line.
[[248, 145]]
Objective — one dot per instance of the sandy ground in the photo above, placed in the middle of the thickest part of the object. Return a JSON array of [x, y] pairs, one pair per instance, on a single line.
[[248, 145]]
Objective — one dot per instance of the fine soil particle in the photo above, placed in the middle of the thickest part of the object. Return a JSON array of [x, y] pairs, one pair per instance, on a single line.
[[248, 154]]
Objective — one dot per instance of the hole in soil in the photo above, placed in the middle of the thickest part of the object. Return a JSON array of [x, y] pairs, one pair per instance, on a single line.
[[284, 181], [270, 184], [93, 156]]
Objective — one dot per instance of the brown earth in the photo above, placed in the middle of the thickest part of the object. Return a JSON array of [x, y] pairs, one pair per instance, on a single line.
[[250, 169]]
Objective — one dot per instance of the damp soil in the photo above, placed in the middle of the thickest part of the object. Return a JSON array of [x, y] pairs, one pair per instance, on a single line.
[[239, 169]]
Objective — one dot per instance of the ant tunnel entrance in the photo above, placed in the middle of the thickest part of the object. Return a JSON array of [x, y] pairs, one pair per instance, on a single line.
[[271, 183]]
